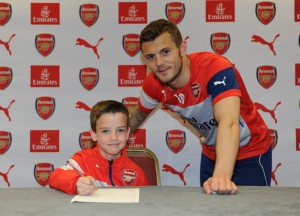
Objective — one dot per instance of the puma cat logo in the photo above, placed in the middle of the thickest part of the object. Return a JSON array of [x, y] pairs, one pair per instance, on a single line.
[[82, 42], [5, 175], [220, 82], [258, 39], [6, 110], [6, 44], [265, 109], [273, 174], [81, 105], [168, 168]]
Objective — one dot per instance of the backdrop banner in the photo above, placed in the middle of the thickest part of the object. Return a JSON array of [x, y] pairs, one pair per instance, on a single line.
[[58, 58]]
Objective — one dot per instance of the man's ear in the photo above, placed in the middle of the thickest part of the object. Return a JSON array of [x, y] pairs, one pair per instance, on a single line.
[[183, 48], [93, 135]]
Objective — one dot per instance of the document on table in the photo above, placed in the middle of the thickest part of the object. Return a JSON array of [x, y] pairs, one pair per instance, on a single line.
[[111, 195]]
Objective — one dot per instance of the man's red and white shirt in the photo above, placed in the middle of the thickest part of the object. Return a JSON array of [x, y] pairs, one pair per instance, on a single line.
[[212, 78]]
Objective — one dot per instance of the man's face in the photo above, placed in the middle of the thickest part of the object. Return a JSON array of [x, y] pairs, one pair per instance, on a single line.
[[163, 58]]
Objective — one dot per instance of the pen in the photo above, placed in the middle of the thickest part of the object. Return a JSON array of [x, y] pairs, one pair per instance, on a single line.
[[96, 182], [74, 168]]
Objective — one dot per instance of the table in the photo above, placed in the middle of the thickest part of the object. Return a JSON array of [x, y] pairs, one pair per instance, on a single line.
[[161, 200]]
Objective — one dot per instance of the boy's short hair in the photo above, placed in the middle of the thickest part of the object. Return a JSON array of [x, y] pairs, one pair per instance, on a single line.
[[107, 106], [158, 27]]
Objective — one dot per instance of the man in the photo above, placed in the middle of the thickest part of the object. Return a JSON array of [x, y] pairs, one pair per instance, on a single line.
[[207, 90]]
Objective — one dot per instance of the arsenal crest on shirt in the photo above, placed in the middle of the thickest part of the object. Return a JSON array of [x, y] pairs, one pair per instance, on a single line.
[[89, 78], [6, 76], [175, 12], [89, 14], [129, 176], [220, 42], [45, 106], [175, 140], [44, 43], [5, 13], [42, 171], [265, 12], [5, 141], [131, 44], [266, 75], [196, 89]]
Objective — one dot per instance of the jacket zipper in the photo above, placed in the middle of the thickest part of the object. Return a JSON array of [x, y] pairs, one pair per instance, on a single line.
[[110, 172]]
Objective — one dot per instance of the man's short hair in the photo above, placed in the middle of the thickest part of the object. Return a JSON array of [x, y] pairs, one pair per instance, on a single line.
[[158, 27]]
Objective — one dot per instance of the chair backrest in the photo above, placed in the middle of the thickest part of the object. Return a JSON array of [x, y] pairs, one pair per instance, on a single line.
[[147, 161]]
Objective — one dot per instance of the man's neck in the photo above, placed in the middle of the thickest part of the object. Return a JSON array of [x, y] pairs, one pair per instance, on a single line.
[[184, 76]]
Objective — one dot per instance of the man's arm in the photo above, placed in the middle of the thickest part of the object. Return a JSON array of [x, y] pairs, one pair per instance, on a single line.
[[227, 114], [136, 119]]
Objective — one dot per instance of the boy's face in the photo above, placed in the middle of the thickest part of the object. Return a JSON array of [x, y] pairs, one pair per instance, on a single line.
[[111, 134]]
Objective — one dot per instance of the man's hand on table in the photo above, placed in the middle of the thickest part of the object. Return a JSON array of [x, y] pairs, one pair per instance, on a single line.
[[217, 185]]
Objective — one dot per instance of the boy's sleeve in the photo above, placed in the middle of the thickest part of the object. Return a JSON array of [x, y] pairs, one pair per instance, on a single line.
[[64, 180]]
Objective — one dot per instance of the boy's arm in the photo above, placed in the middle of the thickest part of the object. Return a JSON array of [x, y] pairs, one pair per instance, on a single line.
[[72, 181], [64, 180]]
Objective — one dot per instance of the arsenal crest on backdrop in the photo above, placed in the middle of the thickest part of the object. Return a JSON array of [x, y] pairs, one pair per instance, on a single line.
[[175, 12], [220, 42], [6, 76], [44, 43], [5, 141], [131, 44], [5, 13], [45, 106], [89, 14], [265, 12], [42, 171], [266, 75]]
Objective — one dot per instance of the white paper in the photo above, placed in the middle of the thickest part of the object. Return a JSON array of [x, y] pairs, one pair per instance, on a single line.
[[111, 195]]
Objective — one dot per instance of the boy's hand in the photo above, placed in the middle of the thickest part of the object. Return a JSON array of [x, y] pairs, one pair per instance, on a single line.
[[85, 185]]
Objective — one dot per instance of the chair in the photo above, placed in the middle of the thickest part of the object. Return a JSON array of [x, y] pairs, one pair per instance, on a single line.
[[148, 162]]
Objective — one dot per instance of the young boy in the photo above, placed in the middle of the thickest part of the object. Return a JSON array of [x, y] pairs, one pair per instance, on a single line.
[[107, 163]]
